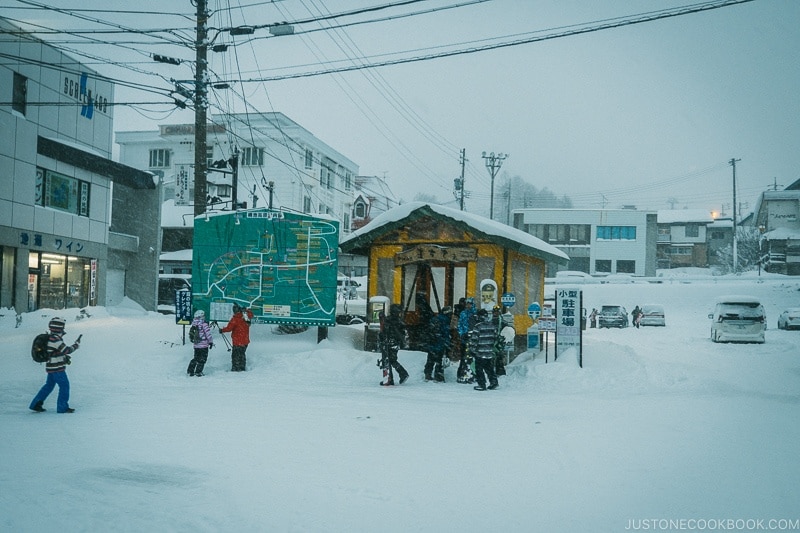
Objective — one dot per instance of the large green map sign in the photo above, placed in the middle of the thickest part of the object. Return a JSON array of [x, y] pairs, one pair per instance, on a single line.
[[281, 265]]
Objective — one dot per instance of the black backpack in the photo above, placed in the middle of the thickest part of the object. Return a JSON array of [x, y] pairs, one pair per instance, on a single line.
[[194, 334], [39, 348]]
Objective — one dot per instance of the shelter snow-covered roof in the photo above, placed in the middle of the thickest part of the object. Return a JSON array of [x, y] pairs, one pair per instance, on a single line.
[[490, 229]]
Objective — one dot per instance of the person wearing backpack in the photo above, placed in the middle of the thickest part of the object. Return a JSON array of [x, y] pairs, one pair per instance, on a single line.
[[201, 342], [239, 326], [58, 357]]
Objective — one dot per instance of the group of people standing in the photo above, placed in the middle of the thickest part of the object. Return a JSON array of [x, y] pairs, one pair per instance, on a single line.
[[469, 335], [238, 326]]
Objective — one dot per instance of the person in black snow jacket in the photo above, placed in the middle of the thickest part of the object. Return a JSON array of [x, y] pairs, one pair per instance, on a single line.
[[392, 338], [483, 340], [56, 367], [438, 344]]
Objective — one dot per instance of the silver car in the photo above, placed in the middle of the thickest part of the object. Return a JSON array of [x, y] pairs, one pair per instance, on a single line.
[[789, 319], [652, 315]]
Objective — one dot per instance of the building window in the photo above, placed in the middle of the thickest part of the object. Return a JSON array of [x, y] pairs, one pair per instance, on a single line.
[[309, 158], [19, 97], [327, 173], [346, 223], [693, 230], [252, 157], [602, 265], [717, 235], [61, 192], [159, 158], [360, 210], [209, 156], [348, 180], [616, 233], [626, 266], [306, 204], [681, 250]]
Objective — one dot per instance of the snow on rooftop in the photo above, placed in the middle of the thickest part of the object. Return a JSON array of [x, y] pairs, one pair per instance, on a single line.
[[482, 224], [673, 216]]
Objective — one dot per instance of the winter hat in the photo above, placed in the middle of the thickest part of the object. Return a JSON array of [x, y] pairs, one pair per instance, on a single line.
[[199, 314], [56, 325], [447, 310]]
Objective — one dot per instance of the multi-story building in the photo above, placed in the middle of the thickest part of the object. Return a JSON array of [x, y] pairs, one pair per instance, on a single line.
[[597, 241], [682, 238], [61, 243], [777, 217], [280, 164]]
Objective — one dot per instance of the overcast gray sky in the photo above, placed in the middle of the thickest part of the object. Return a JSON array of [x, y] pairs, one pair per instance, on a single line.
[[643, 114]]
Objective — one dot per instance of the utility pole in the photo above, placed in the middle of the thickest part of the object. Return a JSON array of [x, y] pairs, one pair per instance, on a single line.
[[463, 159], [508, 205], [733, 207], [493, 164], [200, 109]]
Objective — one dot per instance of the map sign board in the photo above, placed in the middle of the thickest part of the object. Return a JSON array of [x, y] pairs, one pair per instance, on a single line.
[[281, 265]]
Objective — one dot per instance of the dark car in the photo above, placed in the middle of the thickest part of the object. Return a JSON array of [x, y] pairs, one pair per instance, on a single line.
[[613, 316], [168, 284]]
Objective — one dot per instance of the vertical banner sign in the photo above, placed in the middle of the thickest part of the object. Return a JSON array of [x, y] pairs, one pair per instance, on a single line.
[[183, 307], [93, 282], [568, 319]]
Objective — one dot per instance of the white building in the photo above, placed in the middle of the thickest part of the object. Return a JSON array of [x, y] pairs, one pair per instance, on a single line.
[[60, 244], [597, 241], [280, 163]]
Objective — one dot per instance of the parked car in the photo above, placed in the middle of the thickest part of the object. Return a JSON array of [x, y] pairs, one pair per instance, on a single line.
[[612, 316], [789, 319], [347, 288], [738, 319], [652, 315]]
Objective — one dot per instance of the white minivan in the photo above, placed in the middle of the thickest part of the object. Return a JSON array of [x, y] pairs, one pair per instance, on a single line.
[[738, 319]]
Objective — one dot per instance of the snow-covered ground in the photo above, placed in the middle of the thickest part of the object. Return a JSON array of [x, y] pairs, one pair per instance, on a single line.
[[662, 429]]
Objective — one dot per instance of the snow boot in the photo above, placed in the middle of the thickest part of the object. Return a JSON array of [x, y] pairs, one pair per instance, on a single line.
[[38, 408], [478, 387], [493, 386]]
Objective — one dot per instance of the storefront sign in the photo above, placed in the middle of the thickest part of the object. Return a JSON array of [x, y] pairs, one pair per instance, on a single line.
[[433, 252]]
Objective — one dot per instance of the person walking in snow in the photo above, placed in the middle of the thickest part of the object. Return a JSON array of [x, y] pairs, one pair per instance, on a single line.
[[636, 315], [204, 342], [593, 318], [239, 326], [58, 357], [438, 344], [483, 341], [393, 337]]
